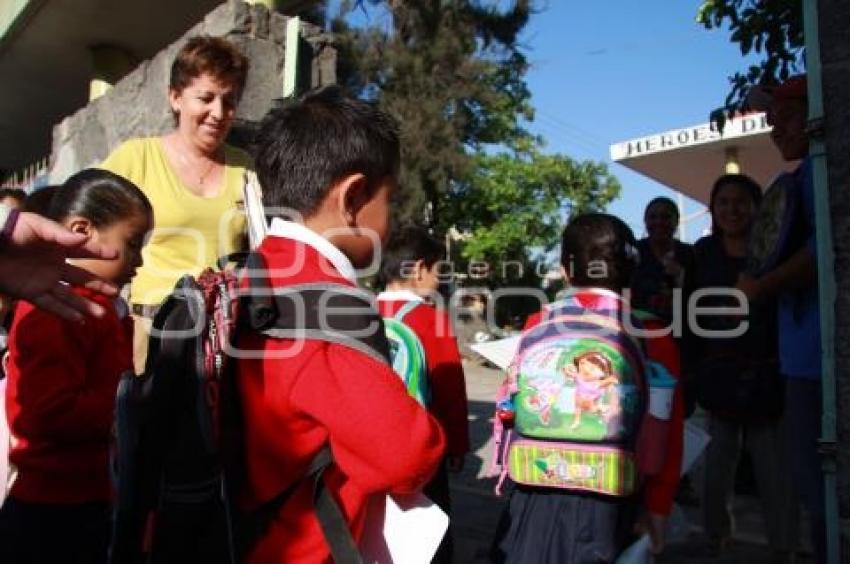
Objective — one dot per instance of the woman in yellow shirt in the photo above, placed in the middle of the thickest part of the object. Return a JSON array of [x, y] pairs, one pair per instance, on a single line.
[[191, 177]]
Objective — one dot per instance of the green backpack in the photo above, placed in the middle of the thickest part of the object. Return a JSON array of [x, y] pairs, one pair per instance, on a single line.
[[407, 354]]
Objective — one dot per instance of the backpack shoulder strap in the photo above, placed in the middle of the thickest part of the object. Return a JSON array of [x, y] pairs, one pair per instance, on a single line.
[[334, 527], [606, 305], [185, 294], [324, 311], [330, 312]]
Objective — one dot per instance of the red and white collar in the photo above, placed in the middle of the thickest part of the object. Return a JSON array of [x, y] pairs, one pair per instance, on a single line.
[[399, 296], [303, 234]]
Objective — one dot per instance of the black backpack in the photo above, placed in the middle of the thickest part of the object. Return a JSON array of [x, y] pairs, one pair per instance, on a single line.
[[178, 461]]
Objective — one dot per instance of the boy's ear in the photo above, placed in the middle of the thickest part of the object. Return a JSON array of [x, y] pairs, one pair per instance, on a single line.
[[352, 194], [80, 225]]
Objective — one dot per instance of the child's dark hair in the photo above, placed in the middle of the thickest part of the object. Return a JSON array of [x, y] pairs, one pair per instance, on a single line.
[[750, 186], [599, 250], [302, 148], [406, 246], [662, 201], [39, 200], [100, 196]]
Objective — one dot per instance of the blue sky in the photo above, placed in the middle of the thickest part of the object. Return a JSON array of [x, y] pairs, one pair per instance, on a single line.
[[611, 70]]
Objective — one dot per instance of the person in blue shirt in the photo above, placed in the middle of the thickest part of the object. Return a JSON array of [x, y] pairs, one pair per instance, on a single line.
[[794, 283]]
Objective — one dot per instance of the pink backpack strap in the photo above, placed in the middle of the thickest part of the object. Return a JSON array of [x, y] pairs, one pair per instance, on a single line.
[[498, 428], [498, 433], [504, 473], [503, 395]]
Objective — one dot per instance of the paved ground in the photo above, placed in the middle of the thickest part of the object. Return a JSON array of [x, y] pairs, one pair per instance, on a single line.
[[476, 509]]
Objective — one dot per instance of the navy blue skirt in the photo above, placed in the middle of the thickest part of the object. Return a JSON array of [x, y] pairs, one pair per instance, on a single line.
[[547, 525]]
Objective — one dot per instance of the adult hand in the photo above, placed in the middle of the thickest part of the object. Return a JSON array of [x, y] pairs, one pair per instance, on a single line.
[[749, 286], [33, 267]]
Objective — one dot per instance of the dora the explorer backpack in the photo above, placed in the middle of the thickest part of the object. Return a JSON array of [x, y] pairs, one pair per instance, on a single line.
[[569, 413], [178, 458], [407, 355]]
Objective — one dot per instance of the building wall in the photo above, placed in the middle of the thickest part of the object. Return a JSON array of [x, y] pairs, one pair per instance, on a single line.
[[137, 105]]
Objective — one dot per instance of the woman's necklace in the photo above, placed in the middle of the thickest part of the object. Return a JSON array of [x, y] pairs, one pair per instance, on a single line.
[[191, 170], [204, 174]]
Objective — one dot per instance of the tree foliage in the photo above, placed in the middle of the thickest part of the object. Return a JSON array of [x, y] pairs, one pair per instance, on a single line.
[[450, 70], [514, 206], [772, 29], [453, 72]]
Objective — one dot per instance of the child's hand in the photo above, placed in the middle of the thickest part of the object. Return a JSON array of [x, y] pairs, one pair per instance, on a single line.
[[655, 526], [454, 463]]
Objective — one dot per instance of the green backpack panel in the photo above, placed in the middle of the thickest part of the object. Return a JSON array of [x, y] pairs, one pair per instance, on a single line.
[[408, 355]]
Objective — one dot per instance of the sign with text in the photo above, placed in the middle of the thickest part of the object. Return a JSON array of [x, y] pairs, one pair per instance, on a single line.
[[742, 126]]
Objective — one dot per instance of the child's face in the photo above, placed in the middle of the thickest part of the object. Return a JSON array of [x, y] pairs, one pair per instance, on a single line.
[[589, 371], [423, 281], [127, 236], [373, 218], [429, 278], [661, 221], [376, 212]]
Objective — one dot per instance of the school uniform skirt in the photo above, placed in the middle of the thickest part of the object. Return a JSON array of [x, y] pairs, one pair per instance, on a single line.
[[553, 526]]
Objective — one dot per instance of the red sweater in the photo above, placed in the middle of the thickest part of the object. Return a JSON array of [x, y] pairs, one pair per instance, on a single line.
[[445, 371], [382, 440], [659, 490], [60, 396]]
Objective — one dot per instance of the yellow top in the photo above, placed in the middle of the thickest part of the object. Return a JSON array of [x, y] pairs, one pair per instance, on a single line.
[[190, 232]]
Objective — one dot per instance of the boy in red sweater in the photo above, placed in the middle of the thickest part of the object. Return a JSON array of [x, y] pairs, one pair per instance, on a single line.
[[410, 272], [331, 163]]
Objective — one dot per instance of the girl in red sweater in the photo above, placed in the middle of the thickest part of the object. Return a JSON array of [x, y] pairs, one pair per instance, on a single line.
[[549, 525], [62, 379]]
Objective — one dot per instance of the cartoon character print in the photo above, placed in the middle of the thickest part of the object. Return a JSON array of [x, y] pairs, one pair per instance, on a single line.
[[544, 395], [555, 468], [593, 376]]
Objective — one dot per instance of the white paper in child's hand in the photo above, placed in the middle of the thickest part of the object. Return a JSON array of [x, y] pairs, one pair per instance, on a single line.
[[402, 529], [501, 352], [253, 198], [637, 553]]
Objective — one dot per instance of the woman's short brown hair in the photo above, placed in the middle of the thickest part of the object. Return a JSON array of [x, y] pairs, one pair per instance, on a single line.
[[215, 56]]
